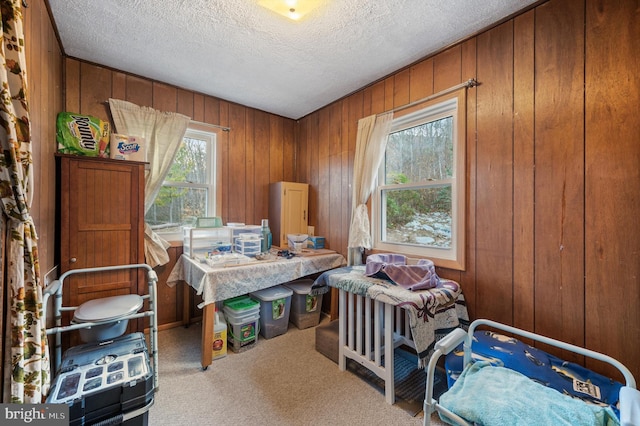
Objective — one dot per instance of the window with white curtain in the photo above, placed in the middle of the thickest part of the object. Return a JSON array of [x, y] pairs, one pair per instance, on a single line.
[[419, 203], [190, 189]]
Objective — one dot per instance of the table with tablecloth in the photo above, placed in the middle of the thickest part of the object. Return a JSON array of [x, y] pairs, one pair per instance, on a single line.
[[223, 282]]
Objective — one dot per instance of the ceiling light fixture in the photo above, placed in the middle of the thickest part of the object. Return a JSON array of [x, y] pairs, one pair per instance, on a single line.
[[292, 9]]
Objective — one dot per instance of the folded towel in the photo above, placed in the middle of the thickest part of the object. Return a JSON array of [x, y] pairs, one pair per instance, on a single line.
[[499, 396], [629, 406], [421, 276]]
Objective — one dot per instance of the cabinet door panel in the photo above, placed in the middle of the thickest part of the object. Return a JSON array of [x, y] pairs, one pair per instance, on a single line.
[[295, 210], [100, 224], [288, 210]]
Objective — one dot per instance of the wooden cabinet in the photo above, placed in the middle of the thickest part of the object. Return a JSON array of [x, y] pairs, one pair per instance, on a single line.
[[100, 223], [288, 210]]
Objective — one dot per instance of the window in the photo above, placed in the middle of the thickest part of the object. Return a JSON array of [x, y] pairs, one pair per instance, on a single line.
[[419, 202], [189, 189]]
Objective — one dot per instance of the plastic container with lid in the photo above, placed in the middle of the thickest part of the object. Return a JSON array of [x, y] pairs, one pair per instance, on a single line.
[[275, 304], [305, 308], [243, 322]]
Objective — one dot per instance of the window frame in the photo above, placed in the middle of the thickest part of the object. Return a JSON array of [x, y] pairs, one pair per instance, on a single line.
[[202, 131], [424, 112]]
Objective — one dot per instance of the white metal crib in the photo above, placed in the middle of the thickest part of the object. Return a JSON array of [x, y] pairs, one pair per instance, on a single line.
[[56, 288]]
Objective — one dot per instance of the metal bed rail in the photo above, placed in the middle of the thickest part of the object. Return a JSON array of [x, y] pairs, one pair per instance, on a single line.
[[458, 336]]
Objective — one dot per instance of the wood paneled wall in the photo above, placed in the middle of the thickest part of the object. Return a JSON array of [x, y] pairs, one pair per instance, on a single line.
[[259, 148], [44, 76], [553, 160]]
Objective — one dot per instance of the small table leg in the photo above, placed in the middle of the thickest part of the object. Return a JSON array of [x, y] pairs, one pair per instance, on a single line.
[[186, 304], [208, 316]]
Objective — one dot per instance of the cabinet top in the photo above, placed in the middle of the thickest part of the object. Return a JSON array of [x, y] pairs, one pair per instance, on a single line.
[[98, 159]]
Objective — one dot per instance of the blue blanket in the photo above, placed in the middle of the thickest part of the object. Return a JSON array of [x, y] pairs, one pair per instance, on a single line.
[[491, 395]]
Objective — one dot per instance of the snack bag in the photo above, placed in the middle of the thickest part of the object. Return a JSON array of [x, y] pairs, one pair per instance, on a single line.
[[82, 135]]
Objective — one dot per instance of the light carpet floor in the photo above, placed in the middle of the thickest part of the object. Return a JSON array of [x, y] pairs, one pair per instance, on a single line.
[[282, 380]]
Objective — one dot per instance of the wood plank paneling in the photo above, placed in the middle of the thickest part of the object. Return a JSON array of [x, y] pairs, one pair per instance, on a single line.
[[250, 167], [237, 157], [289, 150], [523, 171], [224, 140], [447, 69], [185, 103], [533, 189], [559, 170], [44, 74], [401, 88], [165, 97], [170, 299], [421, 80], [612, 184], [95, 86], [139, 91], [335, 203], [262, 165], [323, 206], [494, 174], [277, 168], [544, 235], [467, 278]]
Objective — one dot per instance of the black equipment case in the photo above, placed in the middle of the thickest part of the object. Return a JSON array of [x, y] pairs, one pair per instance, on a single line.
[[107, 382]]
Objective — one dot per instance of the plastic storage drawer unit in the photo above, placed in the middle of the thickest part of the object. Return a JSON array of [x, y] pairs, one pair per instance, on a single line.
[[275, 304], [305, 309]]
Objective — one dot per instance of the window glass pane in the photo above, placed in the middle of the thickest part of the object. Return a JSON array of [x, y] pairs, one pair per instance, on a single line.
[[190, 164], [176, 206], [418, 216], [420, 153]]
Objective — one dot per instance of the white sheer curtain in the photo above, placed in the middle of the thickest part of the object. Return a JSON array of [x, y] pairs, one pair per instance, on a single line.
[[162, 132], [371, 144]]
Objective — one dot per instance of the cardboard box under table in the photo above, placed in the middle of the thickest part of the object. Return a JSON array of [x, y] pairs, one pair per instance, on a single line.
[[305, 309], [106, 382]]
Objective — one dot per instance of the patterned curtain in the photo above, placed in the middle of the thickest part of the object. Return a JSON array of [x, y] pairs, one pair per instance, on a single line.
[[29, 352]]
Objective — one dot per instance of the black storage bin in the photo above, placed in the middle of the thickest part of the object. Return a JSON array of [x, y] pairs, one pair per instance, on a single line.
[[105, 380]]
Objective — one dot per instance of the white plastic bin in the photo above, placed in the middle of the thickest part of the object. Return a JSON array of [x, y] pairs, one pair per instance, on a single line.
[[305, 309], [275, 305]]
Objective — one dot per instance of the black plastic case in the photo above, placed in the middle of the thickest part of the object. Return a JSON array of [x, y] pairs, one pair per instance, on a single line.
[[105, 379]]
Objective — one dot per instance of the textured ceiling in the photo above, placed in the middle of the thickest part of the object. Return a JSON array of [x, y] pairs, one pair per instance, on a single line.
[[241, 52]]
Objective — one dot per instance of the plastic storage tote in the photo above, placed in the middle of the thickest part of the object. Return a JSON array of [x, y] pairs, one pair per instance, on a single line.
[[243, 322], [305, 309], [275, 304]]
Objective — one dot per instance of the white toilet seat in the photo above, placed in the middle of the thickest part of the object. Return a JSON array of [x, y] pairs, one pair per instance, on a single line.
[[108, 308]]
